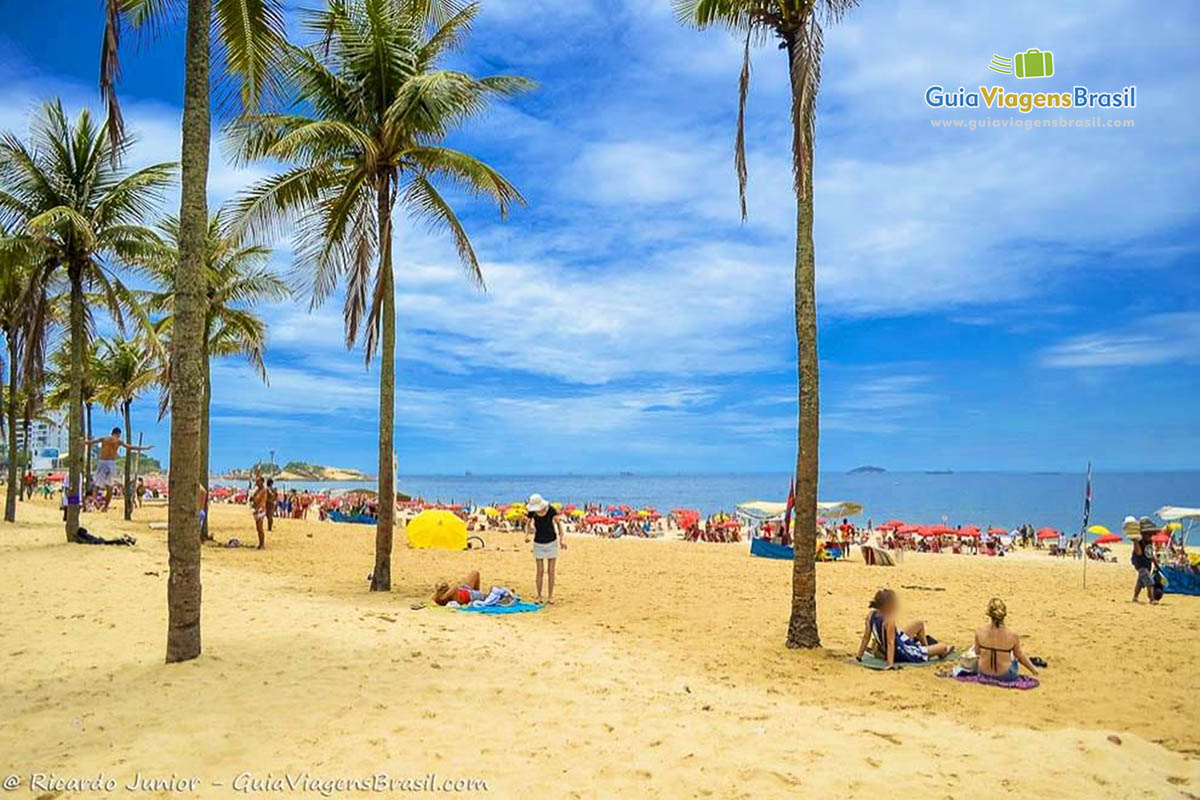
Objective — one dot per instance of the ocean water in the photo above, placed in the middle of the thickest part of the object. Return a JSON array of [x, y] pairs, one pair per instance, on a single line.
[[1000, 499]]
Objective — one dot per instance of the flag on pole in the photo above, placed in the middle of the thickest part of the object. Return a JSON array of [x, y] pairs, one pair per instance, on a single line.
[[791, 506], [1087, 516], [1087, 502]]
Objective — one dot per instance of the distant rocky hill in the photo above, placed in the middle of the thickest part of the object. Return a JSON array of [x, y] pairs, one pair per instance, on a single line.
[[303, 471], [866, 470], [298, 471]]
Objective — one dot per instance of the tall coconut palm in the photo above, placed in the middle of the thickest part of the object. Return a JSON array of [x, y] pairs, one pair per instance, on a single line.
[[127, 369], [238, 278], [797, 26], [62, 192], [373, 107], [248, 35], [17, 294]]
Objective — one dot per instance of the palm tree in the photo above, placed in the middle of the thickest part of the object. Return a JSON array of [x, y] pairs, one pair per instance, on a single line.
[[17, 297], [248, 34], [372, 110], [238, 278], [61, 191], [127, 368], [797, 25]]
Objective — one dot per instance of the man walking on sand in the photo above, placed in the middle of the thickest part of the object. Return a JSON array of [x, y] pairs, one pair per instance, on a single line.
[[544, 525], [106, 465], [258, 503]]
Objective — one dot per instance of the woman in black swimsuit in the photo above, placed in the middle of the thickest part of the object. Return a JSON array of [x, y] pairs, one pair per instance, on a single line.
[[998, 647]]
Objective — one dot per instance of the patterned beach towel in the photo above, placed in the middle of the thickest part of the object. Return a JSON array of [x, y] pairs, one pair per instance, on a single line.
[[874, 662], [1022, 682]]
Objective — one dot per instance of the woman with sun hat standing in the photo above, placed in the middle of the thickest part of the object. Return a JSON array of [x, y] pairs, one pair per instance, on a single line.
[[543, 524]]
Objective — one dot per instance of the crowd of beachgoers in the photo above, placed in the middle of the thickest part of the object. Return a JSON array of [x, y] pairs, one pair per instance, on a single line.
[[879, 543]]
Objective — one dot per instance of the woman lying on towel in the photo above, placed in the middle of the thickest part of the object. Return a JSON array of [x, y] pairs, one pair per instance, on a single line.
[[464, 591], [467, 592], [998, 647], [904, 645]]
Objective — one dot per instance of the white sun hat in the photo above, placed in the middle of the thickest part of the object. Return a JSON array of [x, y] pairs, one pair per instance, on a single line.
[[537, 504]]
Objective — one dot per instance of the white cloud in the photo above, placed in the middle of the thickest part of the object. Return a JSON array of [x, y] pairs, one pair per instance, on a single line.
[[1165, 338]]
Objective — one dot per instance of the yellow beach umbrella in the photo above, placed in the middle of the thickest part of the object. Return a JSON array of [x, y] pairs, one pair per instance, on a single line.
[[578, 512], [491, 511], [1175, 526], [515, 512], [1099, 529], [438, 529]]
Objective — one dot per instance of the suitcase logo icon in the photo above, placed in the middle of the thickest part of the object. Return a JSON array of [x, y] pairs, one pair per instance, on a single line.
[[1033, 63]]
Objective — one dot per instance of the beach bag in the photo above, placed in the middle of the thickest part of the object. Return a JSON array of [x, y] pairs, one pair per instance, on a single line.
[[968, 661], [1159, 587]]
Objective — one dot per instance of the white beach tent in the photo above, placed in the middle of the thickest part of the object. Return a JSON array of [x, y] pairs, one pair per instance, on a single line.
[[1180, 514], [763, 510]]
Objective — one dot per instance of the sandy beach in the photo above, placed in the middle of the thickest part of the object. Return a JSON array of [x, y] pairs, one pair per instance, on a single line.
[[661, 672]]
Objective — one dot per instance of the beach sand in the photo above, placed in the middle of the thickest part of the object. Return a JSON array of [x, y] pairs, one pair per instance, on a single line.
[[660, 673]]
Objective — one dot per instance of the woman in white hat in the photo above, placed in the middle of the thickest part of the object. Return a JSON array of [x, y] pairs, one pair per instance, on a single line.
[[543, 524]]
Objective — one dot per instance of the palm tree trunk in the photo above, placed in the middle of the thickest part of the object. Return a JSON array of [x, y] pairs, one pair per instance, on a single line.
[[381, 577], [187, 368], [75, 446], [127, 495], [205, 433], [802, 626], [14, 488]]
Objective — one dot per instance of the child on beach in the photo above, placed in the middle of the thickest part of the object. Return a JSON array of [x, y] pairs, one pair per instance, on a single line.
[[545, 526], [258, 502], [272, 499], [908, 645]]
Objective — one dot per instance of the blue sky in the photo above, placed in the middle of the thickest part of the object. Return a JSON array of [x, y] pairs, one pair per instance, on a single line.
[[989, 299]]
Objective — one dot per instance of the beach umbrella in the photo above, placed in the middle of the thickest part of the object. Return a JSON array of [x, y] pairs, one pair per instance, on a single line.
[[1108, 538], [491, 511], [1048, 533], [939, 529], [969, 530], [997, 532], [908, 529], [596, 519], [438, 529], [1101, 530]]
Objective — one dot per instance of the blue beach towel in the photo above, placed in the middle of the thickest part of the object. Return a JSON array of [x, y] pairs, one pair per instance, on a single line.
[[515, 608]]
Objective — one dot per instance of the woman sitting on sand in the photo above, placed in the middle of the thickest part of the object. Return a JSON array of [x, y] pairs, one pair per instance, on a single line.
[[907, 645], [998, 647]]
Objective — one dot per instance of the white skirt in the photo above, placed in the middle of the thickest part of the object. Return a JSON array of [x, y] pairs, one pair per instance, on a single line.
[[545, 550]]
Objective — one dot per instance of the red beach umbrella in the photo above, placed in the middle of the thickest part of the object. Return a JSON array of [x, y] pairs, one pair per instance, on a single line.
[[969, 530], [997, 532], [907, 530], [1048, 533], [1108, 538]]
